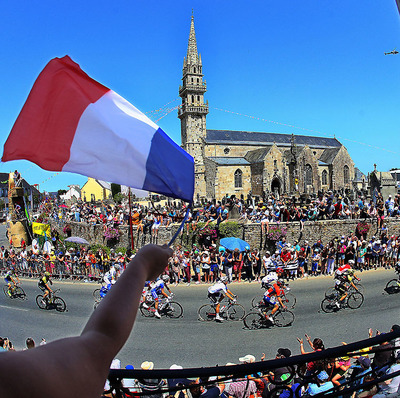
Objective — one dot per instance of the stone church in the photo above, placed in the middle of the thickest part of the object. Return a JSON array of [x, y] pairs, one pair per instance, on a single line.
[[242, 162]]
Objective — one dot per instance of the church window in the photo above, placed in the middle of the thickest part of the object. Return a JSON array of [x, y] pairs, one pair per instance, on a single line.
[[238, 178], [192, 99], [309, 175], [192, 79], [346, 175], [324, 177], [198, 98], [194, 69], [198, 81], [226, 151]]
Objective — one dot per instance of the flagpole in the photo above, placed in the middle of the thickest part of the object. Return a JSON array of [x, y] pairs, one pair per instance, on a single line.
[[130, 220]]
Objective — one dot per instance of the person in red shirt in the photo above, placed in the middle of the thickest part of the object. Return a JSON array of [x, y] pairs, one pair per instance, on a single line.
[[272, 298]]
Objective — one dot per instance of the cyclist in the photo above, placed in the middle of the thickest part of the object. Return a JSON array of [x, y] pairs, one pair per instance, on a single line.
[[343, 283], [157, 290], [146, 289], [109, 278], [216, 294], [272, 294], [44, 285], [10, 278]]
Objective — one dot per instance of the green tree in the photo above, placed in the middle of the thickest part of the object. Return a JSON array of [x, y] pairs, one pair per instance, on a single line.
[[61, 192]]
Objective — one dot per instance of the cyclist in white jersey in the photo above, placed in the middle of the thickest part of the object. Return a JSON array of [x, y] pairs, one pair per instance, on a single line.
[[217, 292]]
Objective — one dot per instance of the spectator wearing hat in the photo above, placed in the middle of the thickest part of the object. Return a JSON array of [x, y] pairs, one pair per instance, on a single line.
[[279, 375], [242, 388], [150, 387], [177, 382], [323, 384]]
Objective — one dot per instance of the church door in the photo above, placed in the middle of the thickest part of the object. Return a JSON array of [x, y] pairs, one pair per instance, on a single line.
[[276, 187]]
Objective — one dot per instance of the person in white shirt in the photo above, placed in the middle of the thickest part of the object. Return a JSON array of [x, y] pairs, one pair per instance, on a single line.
[[216, 294]]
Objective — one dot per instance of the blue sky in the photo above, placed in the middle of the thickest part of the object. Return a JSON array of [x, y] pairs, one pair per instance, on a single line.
[[316, 65]]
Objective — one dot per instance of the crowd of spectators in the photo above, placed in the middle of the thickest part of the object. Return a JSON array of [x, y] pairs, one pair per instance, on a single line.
[[323, 206], [205, 263], [285, 381]]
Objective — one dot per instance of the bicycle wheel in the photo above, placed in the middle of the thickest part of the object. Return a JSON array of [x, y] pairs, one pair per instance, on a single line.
[[255, 301], [331, 293], [146, 312], [96, 294], [354, 300], [235, 312], [253, 321], [96, 303], [59, 304], [5, 290], [359, 286], [173, 310], [284, 318], [328, 305], [19, 293], [392, 287], [39, 299], [206, 312], [289, 299]]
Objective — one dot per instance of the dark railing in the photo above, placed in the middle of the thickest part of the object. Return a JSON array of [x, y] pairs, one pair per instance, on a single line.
[[295, 365]]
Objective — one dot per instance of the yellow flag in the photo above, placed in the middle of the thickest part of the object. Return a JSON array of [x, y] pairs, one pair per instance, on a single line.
[[41, 229]]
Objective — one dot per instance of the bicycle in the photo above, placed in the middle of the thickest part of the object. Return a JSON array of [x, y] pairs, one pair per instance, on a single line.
[[16, 292], [287, 297], [332, 303], [258, 319], [393, 286], [166, 307], [52, 302], [99, 293], [330, 292], [231, 312]]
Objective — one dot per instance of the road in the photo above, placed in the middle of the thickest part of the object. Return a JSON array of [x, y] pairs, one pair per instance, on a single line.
[[192, 343]]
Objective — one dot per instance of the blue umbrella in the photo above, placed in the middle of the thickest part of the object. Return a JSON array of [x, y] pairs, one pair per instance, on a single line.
[[77, 239], [233, 243]]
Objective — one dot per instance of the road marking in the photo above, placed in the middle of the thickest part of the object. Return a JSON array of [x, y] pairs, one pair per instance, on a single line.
[[13, 308]]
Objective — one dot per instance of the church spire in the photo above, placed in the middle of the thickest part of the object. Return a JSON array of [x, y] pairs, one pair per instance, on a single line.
[[192, 54]]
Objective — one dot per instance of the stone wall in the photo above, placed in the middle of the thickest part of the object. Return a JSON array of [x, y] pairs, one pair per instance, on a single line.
[[324, 230]]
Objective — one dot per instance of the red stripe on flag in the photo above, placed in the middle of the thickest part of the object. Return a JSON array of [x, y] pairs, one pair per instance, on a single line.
[[45, 128]]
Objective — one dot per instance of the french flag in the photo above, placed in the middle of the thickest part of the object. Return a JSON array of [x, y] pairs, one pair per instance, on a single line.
[[71, 122]]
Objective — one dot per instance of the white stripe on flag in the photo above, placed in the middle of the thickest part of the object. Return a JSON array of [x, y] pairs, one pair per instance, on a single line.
[[112, 123]]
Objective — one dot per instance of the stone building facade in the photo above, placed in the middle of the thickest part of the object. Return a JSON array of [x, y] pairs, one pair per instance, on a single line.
[[246, 163]]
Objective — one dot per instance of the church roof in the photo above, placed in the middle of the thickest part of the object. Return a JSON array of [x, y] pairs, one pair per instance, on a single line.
[[328, 155], [257, 155], [222, 161], [256, 138], [359, 175]]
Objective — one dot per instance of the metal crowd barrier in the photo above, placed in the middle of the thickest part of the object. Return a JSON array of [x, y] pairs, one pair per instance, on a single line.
[[226, 373]]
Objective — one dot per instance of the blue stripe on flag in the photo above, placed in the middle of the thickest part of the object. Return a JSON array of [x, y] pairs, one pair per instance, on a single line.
[[169, 169]]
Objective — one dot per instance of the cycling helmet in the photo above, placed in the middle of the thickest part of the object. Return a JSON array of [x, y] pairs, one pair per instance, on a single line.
[[224, 279], [47, 273], [351, 261], [165, 278]]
